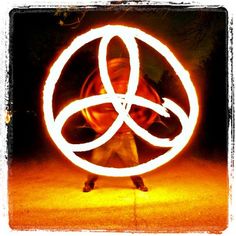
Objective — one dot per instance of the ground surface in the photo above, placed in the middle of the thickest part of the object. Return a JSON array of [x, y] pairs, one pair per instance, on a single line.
[[189, 194]]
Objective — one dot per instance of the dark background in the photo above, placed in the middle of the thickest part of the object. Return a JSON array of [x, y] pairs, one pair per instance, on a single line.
[[198, 37]]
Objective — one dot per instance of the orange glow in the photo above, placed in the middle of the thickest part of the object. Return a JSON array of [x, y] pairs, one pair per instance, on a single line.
[[121, 101], [101, 117], [54, 199]]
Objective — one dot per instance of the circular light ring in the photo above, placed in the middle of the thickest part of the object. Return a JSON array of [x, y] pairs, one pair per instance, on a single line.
[[53, 125]]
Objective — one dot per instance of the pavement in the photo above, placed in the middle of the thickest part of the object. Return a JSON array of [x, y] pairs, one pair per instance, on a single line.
[[189, 194]]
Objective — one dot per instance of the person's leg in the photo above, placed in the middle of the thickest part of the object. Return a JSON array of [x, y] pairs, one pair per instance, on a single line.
[[100, 157], [90, 182], [138, 182], [129, 155]]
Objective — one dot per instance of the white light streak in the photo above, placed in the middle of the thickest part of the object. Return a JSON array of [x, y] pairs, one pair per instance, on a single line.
[[121, 102]]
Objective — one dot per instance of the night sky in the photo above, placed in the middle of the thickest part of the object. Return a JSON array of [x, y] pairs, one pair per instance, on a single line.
[[198, 37]]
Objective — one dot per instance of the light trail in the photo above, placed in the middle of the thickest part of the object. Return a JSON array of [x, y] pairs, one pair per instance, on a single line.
[[121, 102]]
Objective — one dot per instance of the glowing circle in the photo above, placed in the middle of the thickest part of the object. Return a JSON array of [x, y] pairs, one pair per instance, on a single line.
[[99, 118], [121, 102]]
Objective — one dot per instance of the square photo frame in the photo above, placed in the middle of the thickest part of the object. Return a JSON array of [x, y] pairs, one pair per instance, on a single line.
[[182, 185]]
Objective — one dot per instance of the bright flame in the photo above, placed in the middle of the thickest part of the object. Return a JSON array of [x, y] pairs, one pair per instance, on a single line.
[[121, 102]]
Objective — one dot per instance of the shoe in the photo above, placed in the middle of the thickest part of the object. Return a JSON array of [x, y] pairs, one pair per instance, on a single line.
[[88, 186], [139, 184], [142, 188]]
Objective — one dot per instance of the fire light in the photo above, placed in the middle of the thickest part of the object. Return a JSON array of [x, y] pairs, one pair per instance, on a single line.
[[122, 102]]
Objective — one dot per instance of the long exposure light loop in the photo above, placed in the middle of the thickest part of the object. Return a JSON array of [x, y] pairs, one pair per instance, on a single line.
[[121, 102]]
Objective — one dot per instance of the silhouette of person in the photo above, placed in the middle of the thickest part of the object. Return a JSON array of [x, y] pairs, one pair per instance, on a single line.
[[101, 117], [123, 145]]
